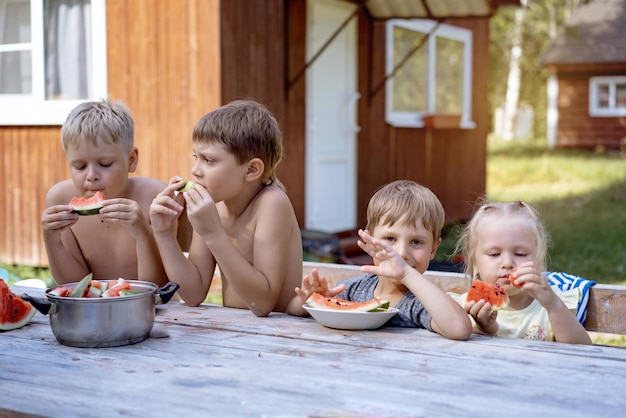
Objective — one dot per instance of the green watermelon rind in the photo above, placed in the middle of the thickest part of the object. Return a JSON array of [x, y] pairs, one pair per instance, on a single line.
[[187, 186], [82, 286], [87, 211], [85, 208]]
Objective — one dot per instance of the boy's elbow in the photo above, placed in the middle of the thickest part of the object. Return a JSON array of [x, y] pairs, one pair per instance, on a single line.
[[460, 331]]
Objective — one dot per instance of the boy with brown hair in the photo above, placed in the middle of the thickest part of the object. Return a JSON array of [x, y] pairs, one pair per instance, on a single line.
[[98, 141], [242, 218], [403, 232]]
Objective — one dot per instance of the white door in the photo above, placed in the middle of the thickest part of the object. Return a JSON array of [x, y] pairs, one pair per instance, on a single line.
[[331, 121]]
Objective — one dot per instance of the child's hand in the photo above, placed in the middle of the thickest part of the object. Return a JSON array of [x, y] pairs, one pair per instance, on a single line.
[[316, 284], [57, 218], [388, 262], [484, 317], [167, 206], [127, 213], [202, 212], [535, 284]]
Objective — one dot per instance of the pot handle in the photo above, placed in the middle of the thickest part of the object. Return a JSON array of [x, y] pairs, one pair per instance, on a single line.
[[166, 293], [43, 306]]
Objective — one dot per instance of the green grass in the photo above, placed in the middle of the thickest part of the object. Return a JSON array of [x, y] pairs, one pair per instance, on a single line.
[[580, 195]]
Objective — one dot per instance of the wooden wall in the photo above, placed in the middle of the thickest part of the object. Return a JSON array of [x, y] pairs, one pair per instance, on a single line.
[[575, 127], [172, 61], [451, 162], [164, 62]]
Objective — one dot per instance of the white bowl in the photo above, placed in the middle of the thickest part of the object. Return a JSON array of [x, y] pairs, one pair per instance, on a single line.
[[350, 319]]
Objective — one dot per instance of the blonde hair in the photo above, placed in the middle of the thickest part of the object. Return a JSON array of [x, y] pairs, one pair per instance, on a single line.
[[106, 121], [407, 202], [247, 130], [517, 212]]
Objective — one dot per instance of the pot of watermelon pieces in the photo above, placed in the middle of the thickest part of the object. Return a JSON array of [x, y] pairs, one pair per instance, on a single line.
[[102, 313]]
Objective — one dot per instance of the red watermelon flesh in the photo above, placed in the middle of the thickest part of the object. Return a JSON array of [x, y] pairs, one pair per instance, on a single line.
[[317, 300], [492, 293], [87, 205], [14, 311]]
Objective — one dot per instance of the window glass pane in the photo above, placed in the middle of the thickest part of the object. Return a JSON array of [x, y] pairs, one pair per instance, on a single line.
[[449, 76], [15, 66], [604, 96], [620, 96], [15, 73], [410, 87], [16, 23], [67, 33]]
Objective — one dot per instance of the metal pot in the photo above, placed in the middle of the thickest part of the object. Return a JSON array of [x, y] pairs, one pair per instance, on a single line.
[[104, 322]]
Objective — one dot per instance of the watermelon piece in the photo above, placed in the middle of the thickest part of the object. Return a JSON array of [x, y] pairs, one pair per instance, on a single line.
[[512, 279], [87, 205], [61, 291], [187, 186], [129, 292], [492, 293], [319, 301], [14, 311], [114, 289], [83, 287]]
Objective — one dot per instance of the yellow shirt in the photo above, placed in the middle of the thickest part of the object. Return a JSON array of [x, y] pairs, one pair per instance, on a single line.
[[532, 322]]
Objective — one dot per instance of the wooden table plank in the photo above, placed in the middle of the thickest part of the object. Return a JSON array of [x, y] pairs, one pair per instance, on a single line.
[[227, 362]]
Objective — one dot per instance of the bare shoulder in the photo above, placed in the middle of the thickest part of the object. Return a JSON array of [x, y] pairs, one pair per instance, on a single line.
[[274, 200], [60, 193]]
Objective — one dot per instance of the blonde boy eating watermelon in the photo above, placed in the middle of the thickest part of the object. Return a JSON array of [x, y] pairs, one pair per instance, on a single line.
[[403, 232], [98, 141]]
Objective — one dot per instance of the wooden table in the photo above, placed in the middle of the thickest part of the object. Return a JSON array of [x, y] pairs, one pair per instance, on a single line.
[[215, 361]]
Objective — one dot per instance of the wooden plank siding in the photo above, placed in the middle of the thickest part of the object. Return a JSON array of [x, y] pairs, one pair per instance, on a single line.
[[435, 158], [575, 126], [164, 62], [172, 61]]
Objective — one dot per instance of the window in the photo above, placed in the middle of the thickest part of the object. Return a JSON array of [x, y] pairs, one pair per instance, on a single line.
[[607, 96], [434, 79], [52, 57]]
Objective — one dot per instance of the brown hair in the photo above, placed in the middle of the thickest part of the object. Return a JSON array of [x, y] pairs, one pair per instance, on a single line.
[[247, 130], [407, 202], [95, 121]]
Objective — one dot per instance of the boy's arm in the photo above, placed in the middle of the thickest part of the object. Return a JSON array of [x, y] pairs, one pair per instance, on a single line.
[[64, 256], [257, 281], [164, 212], [448, 317]]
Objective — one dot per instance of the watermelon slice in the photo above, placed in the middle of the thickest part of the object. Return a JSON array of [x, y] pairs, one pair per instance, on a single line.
[[14, 311], [319, 301], [187, 186], [114, 289], [512, 279], [87, 205], [82, 288], [492, 293]]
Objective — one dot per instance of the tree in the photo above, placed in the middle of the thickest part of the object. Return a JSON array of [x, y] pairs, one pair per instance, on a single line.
[[532, 33]]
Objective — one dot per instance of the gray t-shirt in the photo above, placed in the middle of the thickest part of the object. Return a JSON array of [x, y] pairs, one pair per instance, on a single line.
[[412, 313]]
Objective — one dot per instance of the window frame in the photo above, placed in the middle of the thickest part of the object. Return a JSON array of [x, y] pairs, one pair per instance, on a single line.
[[416, 119], [33, 109], [612, 110]]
